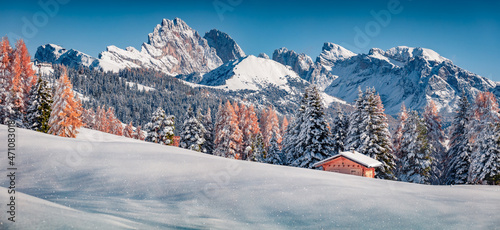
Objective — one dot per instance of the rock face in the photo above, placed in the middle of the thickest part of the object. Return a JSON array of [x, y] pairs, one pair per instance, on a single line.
[[332, 53], [304, 66], [173, 47], [55, 54], [300, 63], [227, 49], [263, 55]]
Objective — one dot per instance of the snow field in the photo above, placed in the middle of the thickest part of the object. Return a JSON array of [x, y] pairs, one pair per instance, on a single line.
[[104, 180]]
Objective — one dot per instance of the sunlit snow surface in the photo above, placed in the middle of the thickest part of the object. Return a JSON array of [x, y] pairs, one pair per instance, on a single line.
[[108, 182]]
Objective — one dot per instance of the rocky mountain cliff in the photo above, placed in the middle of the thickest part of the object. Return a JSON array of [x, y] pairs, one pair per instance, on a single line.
[[227, 49], [58, 55], [173, 47]]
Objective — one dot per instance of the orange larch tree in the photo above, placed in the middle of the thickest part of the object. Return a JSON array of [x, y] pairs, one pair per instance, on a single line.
[[228, 138], [271, 127], [129, 130], [5, 79], [28, 77], [66, 116]]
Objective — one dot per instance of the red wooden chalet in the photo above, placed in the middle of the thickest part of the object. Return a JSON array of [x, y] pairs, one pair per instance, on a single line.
[[353, 163]]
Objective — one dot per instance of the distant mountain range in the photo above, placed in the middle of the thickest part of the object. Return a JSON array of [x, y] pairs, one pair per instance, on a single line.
[[412, 76]]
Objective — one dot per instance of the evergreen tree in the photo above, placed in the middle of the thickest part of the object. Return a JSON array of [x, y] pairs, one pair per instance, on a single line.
[[436, 138], [228, 138], [482, 136], [39, 107], [375, 136], [192, 137], [415, 162], [258, 152], [353, 139], [208, 145], [398, 135], [161, 128], [339, 131], [486, 166], [311, 141], [66, 116], [458, 155], [274, 154]]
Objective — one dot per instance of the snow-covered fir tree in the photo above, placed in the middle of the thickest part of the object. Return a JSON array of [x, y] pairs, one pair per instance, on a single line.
[[339, 131], [375, 136], [274, 154], [458, 155], [312, 140], [415, 162], [193, 133], [258, 152], [228, 136], [486, 165], [398, 135], [209, 134], [353, 138], [437, 139], [161, 128], [483, 136], [39, 107], [66, 116]]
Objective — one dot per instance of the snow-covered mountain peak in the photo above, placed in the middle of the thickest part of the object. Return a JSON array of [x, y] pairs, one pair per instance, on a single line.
[[332, 53], [173, 48], [251, 73], [56, 54], [405, 53]]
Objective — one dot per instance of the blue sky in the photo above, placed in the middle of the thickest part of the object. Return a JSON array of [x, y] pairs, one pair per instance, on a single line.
[[467, 32]]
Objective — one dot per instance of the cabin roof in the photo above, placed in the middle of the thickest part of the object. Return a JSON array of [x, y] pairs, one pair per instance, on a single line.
[[354, 156]]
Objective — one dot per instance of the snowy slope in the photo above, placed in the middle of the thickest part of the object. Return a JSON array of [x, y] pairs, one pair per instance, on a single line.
[[114, 182], [251, 73]]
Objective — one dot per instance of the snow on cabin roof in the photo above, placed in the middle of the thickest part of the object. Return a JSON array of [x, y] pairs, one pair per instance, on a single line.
[[354, 156]]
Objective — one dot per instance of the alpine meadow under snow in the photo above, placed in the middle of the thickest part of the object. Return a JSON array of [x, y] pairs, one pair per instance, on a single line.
[[104, 181]]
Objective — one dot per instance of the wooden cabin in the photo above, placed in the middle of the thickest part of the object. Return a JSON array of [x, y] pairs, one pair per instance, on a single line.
[[353, 163]]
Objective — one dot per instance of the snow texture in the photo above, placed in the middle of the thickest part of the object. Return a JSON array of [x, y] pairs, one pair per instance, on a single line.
[[104, 181]]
